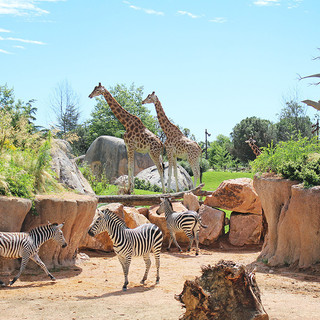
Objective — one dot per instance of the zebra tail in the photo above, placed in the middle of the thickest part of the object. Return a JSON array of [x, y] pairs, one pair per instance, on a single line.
[[200, 222]]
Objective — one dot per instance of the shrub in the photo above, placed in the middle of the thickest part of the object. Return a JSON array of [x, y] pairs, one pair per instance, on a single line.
[[294, 159]]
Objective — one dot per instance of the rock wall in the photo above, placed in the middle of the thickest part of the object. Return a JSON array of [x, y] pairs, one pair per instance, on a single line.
[[293, 218]]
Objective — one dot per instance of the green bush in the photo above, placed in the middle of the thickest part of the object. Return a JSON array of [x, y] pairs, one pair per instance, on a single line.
[[146, 185], [294, 159]]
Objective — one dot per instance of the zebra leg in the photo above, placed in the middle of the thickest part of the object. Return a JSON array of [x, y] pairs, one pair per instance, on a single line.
[[40, 263], [125, 263], [173, 237], [197, 242], [191, 238], [2, 284], [170, 241], [24, 262], [147, 261], [157, 258]]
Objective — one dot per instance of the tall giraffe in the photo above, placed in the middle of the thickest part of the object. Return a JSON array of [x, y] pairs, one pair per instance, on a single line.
[[177, 145], [253, 146], [137, 137]]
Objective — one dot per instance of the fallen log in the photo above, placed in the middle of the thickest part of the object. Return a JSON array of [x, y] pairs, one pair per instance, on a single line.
[[226, 291], [149, 199]]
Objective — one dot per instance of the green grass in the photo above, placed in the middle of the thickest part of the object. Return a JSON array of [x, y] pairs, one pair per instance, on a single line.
[[212, 179]]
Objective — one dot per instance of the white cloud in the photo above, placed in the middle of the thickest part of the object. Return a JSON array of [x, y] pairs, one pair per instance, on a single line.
[[4, 51], [23, 7], [148, 11], [266, 3], [218, 20], [4, 30], [191, 15], [19, 47], [22, 40]]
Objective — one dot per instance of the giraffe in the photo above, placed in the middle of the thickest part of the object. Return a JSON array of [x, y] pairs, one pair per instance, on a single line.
[[177, 145], [253, 146], [136, 138]]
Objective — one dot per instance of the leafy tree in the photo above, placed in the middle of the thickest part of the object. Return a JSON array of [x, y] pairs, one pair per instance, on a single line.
[[293, 122], [219, 153], [259, 129], [65, 104]]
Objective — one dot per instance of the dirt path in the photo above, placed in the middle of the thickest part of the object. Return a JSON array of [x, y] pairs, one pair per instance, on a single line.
[[82, 292]]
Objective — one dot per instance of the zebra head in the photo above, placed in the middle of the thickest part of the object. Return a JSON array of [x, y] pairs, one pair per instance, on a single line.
[[98, 224], [165, 203], [58, 234]]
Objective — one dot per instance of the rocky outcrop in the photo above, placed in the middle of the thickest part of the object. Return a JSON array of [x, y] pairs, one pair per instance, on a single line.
[[109, 155], [292, 214], [191, 202], [66, 169], [76, 211], [214, 220], [245, 229], [152, 175], [236, 195]]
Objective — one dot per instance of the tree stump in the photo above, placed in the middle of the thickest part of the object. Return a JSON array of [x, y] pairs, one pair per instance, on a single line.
[[226, 291]]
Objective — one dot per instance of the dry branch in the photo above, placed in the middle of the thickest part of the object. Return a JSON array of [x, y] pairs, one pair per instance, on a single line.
[[150, 199]]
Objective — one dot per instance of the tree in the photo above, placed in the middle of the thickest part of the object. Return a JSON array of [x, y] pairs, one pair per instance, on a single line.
[[104, 122], [219, 153], [293, 122], [261, 130], [65, 104]]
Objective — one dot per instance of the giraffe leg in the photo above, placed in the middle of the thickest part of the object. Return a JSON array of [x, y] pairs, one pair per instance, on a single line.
[[155, 157], [175, 169], [195, 167], [170, 160], [130, 152]]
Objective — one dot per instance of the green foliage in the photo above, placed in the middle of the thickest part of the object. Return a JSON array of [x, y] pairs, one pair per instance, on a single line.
[[293, 159], [146, 185]]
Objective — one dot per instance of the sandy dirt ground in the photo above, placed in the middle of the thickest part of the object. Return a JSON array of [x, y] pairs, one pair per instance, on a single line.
[[92, 289]]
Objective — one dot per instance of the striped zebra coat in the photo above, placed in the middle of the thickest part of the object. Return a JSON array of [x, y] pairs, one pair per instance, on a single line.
[[26, 245], [189, 222], [130, 242]]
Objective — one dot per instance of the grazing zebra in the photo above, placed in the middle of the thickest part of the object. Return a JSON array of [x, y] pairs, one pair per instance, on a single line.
[[129, 242], [26, 245], [189, 222]]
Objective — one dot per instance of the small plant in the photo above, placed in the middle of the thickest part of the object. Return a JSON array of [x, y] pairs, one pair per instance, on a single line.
[[145, 185]]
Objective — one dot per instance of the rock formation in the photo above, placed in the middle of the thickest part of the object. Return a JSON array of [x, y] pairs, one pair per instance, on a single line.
[[67, 171], [292, 214], [151, 174], [226, 291], [109, 155], [236, 195]]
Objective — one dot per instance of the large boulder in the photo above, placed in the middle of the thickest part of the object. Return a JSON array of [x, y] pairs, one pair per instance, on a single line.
[[66, 169], [76, 211], [236, 195], [214, 220], [191, 201], [108, 155], [245, 229], [152, 175], [292, 214]]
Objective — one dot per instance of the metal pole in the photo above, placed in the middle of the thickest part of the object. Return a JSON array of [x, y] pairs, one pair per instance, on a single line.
[[207, 135]]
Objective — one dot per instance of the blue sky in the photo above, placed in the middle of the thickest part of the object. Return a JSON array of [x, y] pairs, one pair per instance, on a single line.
[[212, 63]]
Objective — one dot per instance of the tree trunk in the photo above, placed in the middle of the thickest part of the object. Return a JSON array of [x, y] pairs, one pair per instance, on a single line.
[[150, 199], [226, 291]]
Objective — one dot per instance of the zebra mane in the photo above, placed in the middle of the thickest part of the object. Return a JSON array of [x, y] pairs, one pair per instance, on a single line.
[[115, 217], [43, 227]]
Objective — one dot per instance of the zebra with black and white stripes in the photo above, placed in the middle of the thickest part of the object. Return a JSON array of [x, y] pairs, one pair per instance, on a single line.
[[127, 242], [26, 245], [189, 222]]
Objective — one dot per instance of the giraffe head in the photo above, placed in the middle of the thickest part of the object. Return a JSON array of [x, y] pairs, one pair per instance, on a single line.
[[97, 91], [151, 98], [250, 141]]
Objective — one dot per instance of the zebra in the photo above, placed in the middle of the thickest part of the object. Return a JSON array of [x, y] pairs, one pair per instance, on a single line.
[[127, 242], [26, 245], [189, 222]]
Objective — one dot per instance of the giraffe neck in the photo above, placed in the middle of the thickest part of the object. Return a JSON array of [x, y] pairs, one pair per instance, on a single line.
[[126, 118], [255, 149], [166, 125]]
